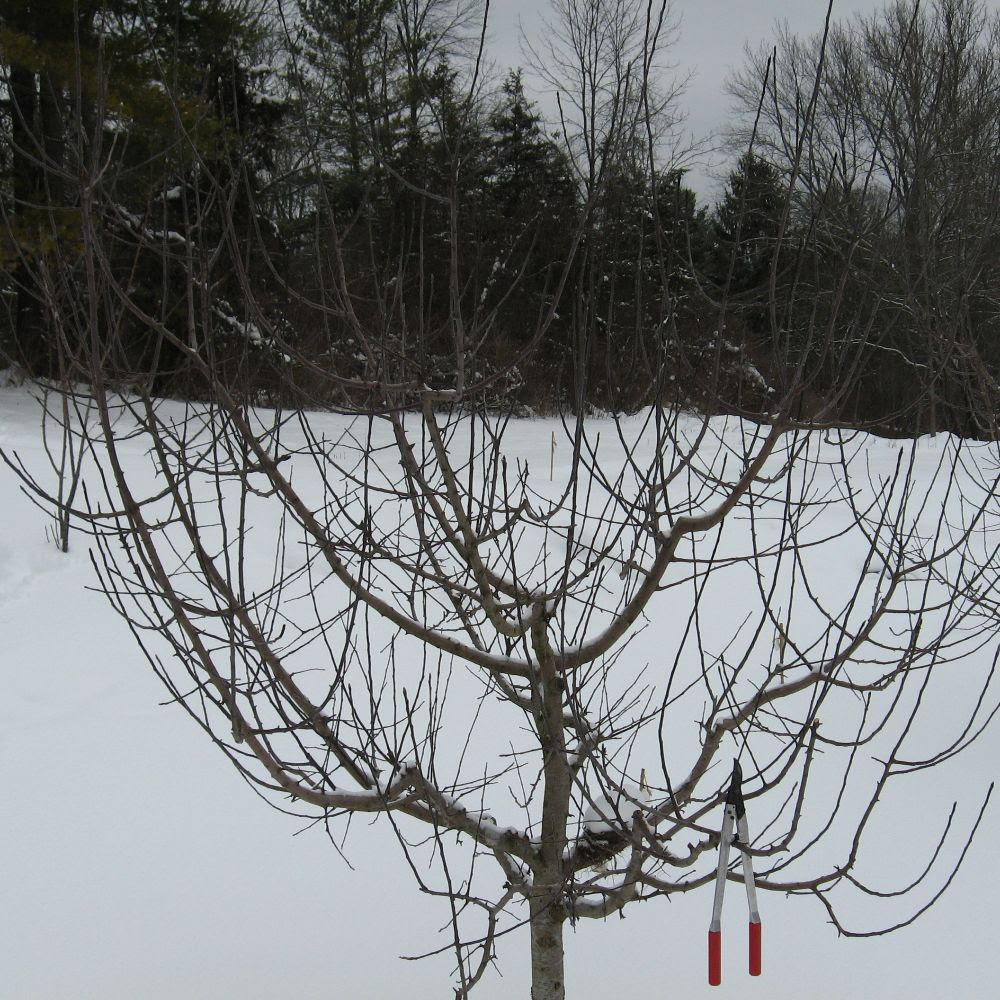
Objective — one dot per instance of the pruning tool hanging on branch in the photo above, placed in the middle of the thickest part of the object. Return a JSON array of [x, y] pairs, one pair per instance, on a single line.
[[735, 817]]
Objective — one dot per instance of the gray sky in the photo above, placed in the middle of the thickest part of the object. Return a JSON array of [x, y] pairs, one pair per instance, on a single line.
[[711, 42]]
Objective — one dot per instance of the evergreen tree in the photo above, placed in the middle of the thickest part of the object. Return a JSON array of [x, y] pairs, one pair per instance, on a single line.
[[187, 205], [153, 112], [527, 169], [349, 52], [46, 46], [530, 213], [746, 224]]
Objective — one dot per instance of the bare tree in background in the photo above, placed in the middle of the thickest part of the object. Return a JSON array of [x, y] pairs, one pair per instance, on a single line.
[[887, 128], [400, 612], [605, 60]]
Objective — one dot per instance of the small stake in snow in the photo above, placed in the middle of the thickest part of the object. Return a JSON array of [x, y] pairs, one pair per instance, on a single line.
[[552, 459], [735, 816]]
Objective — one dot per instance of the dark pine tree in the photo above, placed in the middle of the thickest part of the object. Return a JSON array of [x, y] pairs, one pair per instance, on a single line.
[[746, 225]]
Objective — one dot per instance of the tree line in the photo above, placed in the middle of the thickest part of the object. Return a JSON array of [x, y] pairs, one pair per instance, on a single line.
[[317, 197]]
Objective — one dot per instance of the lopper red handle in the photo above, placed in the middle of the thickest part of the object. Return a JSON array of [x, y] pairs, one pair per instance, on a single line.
[[714, 958], [754, 949]]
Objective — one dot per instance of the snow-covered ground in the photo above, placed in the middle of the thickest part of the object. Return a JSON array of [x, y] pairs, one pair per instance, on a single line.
[[134, 863]]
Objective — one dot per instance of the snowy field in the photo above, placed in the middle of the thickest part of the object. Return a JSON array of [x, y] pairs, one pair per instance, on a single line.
[[135, 864]]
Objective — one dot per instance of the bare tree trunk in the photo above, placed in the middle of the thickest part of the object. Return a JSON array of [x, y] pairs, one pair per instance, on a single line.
[[547, 919], [546, 907]]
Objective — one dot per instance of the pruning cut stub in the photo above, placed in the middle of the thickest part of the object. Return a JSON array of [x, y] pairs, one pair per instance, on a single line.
[[734, 819]]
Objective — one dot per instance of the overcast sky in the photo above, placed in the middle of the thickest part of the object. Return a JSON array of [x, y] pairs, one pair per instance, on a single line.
[[711, 42]]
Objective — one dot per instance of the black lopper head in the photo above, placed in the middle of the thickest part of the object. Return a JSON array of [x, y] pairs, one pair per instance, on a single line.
[[735, 795]]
